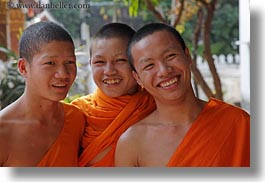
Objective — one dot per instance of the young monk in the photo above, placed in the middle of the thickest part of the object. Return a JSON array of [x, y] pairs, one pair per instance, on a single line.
[[38, 129], [117, 103], [183, 131]]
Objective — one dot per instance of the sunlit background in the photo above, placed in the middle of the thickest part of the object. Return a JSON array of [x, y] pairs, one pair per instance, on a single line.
[[222, 25]]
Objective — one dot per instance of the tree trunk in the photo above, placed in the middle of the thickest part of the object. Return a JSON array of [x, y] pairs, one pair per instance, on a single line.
[[207, 49], [196, 72], [182, 2], [157, 14]]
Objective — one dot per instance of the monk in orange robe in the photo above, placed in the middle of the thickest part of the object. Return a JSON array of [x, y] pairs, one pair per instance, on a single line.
[[211, 136], [65, 150], [183, 131], [117, 103], [38, 129]]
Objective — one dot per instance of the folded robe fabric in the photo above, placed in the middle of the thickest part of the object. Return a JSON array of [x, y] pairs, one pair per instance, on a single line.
[[220, 137], [107, 119], [65, 149]]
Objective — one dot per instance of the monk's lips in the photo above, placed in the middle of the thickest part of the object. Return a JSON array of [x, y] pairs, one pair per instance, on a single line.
[[59, 85], [169, 82]]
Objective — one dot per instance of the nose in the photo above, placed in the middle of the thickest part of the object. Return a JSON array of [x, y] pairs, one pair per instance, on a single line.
[[110, 69], [62, 72], [163, 69]]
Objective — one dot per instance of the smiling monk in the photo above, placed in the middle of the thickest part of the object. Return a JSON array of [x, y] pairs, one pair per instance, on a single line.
[[117, 103], [37, 129], [183, 131]]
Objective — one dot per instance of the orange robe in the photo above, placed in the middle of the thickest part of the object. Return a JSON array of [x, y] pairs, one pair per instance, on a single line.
[[64, 151], [107, 119], [220, 137]]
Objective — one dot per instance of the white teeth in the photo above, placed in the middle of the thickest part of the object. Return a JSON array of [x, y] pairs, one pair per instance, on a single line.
[[169, 82], [111, 82]]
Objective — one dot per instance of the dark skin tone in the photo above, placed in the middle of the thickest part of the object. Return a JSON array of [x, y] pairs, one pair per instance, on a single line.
[[30, 125], [166, 75]]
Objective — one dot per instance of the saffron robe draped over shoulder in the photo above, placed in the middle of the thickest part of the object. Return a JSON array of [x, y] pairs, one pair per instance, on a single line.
[[107, 119], [64, 151], [220, 137]]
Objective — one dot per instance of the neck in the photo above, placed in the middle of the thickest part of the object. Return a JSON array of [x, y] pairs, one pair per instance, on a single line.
[[40, 110], [179, 112]]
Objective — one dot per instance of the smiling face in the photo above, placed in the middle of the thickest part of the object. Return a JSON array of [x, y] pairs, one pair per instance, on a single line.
[[162, 66], [110, 67], [51, 72]]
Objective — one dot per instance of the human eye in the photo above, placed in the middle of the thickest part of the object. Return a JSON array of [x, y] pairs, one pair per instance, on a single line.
[[148, 66], [98, 62], [121, 60], [170, 56], [70, 62], [49, 63]]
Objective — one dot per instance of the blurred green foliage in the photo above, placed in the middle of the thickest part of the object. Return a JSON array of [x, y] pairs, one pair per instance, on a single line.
[[12, 84]]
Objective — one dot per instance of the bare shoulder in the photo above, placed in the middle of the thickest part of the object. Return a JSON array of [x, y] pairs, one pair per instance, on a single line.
[[129, 145], [7, 118], [137, 131], [10, 113]]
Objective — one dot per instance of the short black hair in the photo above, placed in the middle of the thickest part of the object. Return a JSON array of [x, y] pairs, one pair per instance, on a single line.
[[111, 30], [149, 29], [114, 30], [38, 34]]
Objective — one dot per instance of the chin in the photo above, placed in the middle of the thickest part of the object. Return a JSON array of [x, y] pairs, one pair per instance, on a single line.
[[113, 94], [60, 98]]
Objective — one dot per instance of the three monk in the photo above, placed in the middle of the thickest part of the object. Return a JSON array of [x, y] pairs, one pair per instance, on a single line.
[[39, 130]]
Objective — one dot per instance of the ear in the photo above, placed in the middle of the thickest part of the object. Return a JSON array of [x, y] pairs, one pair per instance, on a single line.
[[136, 77], [187, 52], [90, 61], [23, 66]]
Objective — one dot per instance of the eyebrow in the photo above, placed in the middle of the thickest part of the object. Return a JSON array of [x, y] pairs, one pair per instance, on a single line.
[[51, 57], [142, 61], [166, 50], [98, 56], [169, 49], [120, 53], [117, 54]]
